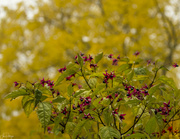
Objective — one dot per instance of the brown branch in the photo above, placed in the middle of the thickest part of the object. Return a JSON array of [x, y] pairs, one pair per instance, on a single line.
[[100, 119], [86, 80], [135, 121], [154, 78], [171, 118]]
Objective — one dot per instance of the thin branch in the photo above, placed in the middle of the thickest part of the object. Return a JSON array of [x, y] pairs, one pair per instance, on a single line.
[[133, 126], [135, 121], [53, 121], [171, 118], [68, 115], [154, 78], [86, 80], [100, 119]]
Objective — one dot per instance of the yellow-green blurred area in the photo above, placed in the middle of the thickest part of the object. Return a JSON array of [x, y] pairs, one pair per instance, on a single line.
[[41, 36]]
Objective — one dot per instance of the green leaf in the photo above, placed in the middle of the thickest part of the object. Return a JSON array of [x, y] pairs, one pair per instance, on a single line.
[[105, 102], [70, 127], [92, 82], [38, 95], [163, 68], [78, 128], [57, 120], [117, 117], [107, 132], [168, 81], [152, 90], [58, 99], [159, 121], [16, 93], [125, 59], [43, 98], [119, 79], [79, 92], [99, 74], [139, 60], [130, 75], [45, 90], [140, 71], [133, 102], [44, 113], [151, 125], [29, 85], [25, 99], [70, 90], [107, 114], [141, 77], [71, 70], [28, 107], [27, 104], [98, 89], [136, 136], [80, 60], [96, 102], [124, 67], [98, 57]]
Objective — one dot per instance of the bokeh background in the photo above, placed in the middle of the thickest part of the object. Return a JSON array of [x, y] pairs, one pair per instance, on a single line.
[[37, 37]]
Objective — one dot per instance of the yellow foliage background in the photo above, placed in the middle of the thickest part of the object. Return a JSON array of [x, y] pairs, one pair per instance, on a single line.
[[36, 40]]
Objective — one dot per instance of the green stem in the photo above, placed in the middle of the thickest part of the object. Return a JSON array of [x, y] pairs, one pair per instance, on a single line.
[[86, 80]]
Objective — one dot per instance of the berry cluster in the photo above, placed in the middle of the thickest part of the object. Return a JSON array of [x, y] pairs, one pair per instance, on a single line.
[[164, 110], [48, 82], [62, 69], [69, 77], [138, 93], [85, 59], [108, 76], [81, 105], [114, 60]]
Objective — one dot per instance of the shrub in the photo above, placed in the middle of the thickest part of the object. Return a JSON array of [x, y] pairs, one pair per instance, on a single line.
[[127, 101]]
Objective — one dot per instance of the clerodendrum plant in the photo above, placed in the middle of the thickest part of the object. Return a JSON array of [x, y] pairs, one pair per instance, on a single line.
[[99, 107]]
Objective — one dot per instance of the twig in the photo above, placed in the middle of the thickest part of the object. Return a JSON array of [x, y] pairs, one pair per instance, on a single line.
[[100, 119], [136, 120], [171, 118], [154, 78], [86, 80]]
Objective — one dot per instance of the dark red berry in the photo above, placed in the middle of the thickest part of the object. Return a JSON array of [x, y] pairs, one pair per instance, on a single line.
[[155, 112], [82, 54]]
